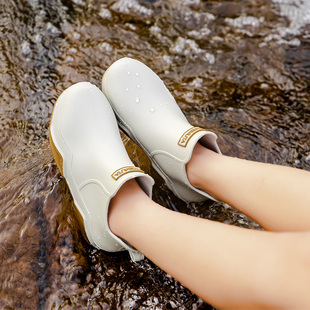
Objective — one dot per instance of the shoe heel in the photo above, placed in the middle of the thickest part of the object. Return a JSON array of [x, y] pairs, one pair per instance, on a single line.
[[56, 154]]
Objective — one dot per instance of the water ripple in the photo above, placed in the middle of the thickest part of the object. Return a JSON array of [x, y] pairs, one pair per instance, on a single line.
[[242, 76]]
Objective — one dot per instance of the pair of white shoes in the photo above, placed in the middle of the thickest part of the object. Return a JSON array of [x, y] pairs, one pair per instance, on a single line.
[[89, 152]]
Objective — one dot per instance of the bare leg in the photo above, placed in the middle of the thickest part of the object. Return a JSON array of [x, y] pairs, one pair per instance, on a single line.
[[277, 197], [230, 267]]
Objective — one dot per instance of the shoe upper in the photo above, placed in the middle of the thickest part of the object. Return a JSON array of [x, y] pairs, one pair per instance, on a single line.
[[149, 114], [95, 163]]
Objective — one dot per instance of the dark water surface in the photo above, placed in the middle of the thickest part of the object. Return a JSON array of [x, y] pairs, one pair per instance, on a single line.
[[239, 68]]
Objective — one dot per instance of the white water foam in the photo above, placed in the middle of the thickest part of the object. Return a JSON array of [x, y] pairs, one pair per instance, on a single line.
[[187, 47], [297, 12], [131, 6]]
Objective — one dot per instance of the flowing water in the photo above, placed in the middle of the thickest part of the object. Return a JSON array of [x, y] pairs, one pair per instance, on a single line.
[[240, 68]]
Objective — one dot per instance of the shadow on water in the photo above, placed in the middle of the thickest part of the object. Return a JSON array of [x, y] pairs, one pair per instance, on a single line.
[[240, 68]]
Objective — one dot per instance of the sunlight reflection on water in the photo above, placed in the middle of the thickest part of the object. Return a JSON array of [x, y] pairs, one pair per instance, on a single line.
[[239, 69]]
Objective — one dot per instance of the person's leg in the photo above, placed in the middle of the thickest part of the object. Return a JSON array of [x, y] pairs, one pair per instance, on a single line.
[[227, 266], [277, 197]]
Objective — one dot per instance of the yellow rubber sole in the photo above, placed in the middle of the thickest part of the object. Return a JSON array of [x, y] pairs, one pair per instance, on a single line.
[[57, 156]]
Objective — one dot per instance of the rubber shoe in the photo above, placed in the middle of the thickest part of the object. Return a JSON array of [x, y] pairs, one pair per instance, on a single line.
[[150, 116], [89, 152]]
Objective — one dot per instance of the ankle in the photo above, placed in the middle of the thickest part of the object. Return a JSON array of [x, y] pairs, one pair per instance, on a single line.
[[127, 197], [198, 166]]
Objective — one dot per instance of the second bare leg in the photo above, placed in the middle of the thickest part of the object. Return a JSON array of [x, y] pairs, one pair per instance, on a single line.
[[277, 197]]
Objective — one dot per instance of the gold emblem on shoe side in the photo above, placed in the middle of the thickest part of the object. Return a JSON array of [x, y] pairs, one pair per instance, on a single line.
[[121, 171], [187, 135]]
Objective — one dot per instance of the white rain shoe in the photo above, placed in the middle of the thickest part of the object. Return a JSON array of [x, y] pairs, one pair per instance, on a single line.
[[89, 152], [150, 116]]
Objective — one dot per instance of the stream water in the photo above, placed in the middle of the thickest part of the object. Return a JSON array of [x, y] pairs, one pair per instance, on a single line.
[[240, 68]]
